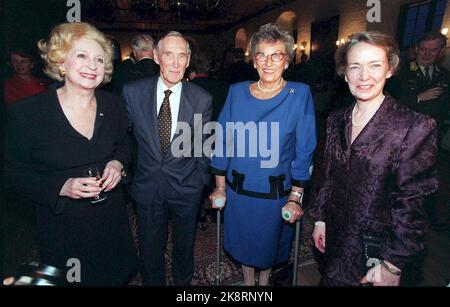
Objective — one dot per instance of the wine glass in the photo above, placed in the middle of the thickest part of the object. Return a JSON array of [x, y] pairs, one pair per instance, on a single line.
[[94, 172]]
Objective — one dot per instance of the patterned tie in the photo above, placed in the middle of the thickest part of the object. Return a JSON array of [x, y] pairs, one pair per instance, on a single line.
[[165, 122]]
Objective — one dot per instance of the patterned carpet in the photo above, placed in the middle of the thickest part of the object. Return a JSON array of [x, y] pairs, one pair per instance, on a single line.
[[18, 229], [205, 255]]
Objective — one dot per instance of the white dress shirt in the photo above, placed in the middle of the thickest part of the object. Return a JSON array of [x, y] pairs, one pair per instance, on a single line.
[[174, 99]]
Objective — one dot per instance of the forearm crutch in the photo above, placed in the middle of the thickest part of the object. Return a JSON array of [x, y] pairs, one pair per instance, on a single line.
[[219, 203], [296, 246]]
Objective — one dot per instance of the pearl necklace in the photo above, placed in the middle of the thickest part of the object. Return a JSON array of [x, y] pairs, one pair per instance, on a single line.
[[366, 119], [269, 90]]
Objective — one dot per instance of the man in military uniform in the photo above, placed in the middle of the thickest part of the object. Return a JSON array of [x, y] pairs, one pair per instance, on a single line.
[[425, 88], [425, 83]]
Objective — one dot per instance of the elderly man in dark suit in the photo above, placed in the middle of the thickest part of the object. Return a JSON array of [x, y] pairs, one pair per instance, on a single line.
[[167, 184]]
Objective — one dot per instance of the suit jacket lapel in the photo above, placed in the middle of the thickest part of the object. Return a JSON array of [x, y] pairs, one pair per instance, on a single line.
[[100, 115], [380, 124], [148, 109], [185, 111], [438, 74], [347, 129]]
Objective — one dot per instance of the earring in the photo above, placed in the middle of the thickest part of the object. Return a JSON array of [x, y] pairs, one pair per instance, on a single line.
[[62, 71]]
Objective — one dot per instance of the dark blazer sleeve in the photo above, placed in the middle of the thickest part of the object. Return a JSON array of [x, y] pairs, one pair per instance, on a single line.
[[408, 96], [133, 142], [203, 162], [324, 193], [305, 142], [20, 177], [125, 96], [415, 179], [406, 87], [123, 143]]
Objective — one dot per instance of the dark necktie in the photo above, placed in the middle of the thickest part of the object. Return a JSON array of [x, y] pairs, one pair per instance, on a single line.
[[428, 74], [165, 123]]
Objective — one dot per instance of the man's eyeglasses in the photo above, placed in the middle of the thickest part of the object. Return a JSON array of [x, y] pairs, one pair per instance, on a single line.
[[275, 57]]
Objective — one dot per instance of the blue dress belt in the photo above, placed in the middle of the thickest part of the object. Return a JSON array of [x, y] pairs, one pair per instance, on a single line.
[[276, 186]]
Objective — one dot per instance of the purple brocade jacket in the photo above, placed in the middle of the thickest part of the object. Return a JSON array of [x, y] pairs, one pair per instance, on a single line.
[[376, 186]]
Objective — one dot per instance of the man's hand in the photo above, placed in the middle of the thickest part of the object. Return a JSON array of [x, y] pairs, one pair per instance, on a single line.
[[430, 94]]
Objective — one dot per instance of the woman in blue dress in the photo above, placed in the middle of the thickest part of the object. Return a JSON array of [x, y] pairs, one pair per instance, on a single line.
[[263, 157]]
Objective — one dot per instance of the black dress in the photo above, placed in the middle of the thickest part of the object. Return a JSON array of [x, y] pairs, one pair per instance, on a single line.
[[42, 151]]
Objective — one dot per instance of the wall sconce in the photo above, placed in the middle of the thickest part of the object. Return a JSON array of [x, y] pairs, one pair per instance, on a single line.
[[444, 31], [303, 45], [338, 43], [302, 48], [342, 41], [295, 46]]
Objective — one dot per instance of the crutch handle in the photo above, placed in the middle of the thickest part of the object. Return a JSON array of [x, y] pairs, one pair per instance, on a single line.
[[219, 202], [286, 214]]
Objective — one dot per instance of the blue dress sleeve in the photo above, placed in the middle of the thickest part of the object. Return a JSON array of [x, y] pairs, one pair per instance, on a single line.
[[305, 141]]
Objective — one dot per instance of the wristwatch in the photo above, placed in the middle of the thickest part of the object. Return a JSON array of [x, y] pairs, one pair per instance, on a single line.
[[298, 194], [391, 269]]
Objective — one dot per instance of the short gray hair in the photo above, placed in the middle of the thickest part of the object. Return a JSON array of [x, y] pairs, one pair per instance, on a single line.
[[271, 33], [142, 42], [428, 36], [173, 34]]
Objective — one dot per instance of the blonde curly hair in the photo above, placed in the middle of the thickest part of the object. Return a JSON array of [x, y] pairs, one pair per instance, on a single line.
[[54, 50]]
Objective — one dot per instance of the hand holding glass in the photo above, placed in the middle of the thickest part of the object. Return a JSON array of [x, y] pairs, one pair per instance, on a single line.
[[94, 172]]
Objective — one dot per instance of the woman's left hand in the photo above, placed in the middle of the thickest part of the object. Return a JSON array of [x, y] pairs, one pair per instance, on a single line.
[[9, 281], [380, 276], [296, 211], [112, 174]]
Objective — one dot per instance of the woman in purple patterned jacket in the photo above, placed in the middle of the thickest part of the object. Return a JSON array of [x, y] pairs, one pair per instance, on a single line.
[[379, 166]]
